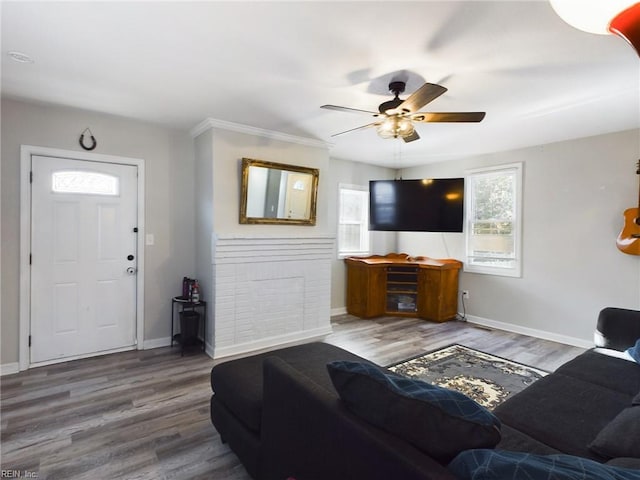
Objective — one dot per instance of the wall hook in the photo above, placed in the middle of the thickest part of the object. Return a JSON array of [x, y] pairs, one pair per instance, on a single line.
[[93, 140]]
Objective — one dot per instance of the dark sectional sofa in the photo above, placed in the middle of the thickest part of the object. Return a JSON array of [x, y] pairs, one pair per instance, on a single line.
[[279, 412]]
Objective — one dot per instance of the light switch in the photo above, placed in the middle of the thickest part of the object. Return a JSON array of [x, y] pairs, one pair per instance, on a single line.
[[150, 239]]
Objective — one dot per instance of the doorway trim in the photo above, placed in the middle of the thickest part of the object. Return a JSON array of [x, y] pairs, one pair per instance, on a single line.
[[26, 152]]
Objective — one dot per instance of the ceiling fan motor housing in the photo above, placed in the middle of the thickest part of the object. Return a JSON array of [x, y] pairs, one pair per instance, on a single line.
[[396, 88], [390, 105]]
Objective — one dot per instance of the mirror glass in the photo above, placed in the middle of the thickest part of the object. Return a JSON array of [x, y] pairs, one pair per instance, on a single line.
[[276, 193]]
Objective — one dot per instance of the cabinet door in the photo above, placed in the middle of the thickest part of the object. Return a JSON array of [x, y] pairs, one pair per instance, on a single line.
[[365, 291], [448, 307], [428, 299], [356, 290], [377, 292], [438, 294]]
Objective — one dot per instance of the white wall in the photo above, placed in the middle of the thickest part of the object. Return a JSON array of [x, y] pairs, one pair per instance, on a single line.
[[574, 196], [203, 146], [353, 173], [169, 213]]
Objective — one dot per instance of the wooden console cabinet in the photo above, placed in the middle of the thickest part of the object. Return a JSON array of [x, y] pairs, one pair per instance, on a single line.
[[397, 284]]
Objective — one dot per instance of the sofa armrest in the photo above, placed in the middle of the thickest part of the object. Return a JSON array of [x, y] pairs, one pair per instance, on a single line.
[[618, 328], [308, 434]]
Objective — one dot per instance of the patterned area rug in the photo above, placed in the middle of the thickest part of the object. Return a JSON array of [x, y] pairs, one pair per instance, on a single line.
[[488, 379]]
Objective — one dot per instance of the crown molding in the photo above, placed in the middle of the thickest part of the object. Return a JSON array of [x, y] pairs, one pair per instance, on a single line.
[[210, 123]]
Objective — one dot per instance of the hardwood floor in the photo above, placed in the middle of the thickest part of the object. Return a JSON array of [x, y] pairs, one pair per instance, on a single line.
[[388, 340], [145, 414]]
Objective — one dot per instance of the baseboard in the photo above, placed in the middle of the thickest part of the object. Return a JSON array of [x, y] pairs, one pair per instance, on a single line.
[[82, 356], [266, 344], [208, 349], [165, 342], [338, 311], [9, 368], [156, 343], [532, 332]]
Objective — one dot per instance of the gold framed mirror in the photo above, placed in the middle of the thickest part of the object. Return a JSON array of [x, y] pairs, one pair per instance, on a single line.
[[276, 193]]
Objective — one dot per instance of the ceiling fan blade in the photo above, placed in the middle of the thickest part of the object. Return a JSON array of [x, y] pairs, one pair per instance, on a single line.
[[354, 129], [448, 117], [418, 99], [347, 109], [411, 138]]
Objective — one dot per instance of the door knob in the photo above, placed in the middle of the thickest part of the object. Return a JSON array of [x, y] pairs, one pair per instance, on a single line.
[[131, 271]]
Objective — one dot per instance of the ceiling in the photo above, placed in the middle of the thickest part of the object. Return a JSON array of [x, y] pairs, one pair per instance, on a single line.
[[271, 65]]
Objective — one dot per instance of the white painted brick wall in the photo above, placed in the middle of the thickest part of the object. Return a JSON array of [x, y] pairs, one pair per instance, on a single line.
[[269, 291]]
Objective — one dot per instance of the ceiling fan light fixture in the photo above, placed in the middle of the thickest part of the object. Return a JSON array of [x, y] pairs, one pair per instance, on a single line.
[[395, 126]]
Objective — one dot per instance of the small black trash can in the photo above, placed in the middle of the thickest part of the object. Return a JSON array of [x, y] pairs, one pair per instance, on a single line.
[[189, 327]]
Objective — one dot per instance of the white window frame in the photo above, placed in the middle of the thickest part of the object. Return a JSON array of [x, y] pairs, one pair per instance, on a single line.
[[365, 234], [516, 269]]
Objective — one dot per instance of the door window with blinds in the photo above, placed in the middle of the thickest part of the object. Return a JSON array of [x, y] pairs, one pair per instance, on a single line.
[[353, 220], [494, 220]]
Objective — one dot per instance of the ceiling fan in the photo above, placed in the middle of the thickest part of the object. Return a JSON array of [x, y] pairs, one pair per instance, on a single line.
[[395, 118]]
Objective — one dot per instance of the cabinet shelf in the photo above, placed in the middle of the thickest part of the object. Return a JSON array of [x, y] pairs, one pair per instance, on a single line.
[[410, 288], [402, 290]]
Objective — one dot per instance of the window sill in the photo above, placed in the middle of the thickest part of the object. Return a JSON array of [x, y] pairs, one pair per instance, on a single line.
[[514, 272], [342, 256]]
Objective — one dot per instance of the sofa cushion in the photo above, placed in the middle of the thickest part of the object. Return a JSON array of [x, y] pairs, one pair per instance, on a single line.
[[498, 464], [609, 372], [516, 441], [438, 421], [621, 436], [238, 383], [562, 412]]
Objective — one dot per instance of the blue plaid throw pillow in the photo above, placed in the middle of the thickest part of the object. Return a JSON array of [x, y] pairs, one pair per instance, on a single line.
[[496, 464], [635, 351], [438, 421]]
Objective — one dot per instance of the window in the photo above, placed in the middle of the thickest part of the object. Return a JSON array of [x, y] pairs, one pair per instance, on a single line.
[[494, 206], [93, 183], [353, 220]]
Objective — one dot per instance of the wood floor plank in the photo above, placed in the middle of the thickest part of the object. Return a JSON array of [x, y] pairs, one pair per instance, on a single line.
[[145, 414]]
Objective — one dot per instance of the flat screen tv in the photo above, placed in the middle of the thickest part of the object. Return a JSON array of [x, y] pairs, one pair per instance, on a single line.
[[427, 205]]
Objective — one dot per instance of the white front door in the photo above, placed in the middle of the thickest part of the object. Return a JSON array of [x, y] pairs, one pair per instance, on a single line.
[[83, 265], [298, 199]]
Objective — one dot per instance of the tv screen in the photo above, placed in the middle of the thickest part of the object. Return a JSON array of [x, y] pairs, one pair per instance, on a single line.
[[427, 205]]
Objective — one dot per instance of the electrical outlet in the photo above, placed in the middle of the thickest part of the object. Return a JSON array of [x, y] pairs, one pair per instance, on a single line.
[[465, 294]]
